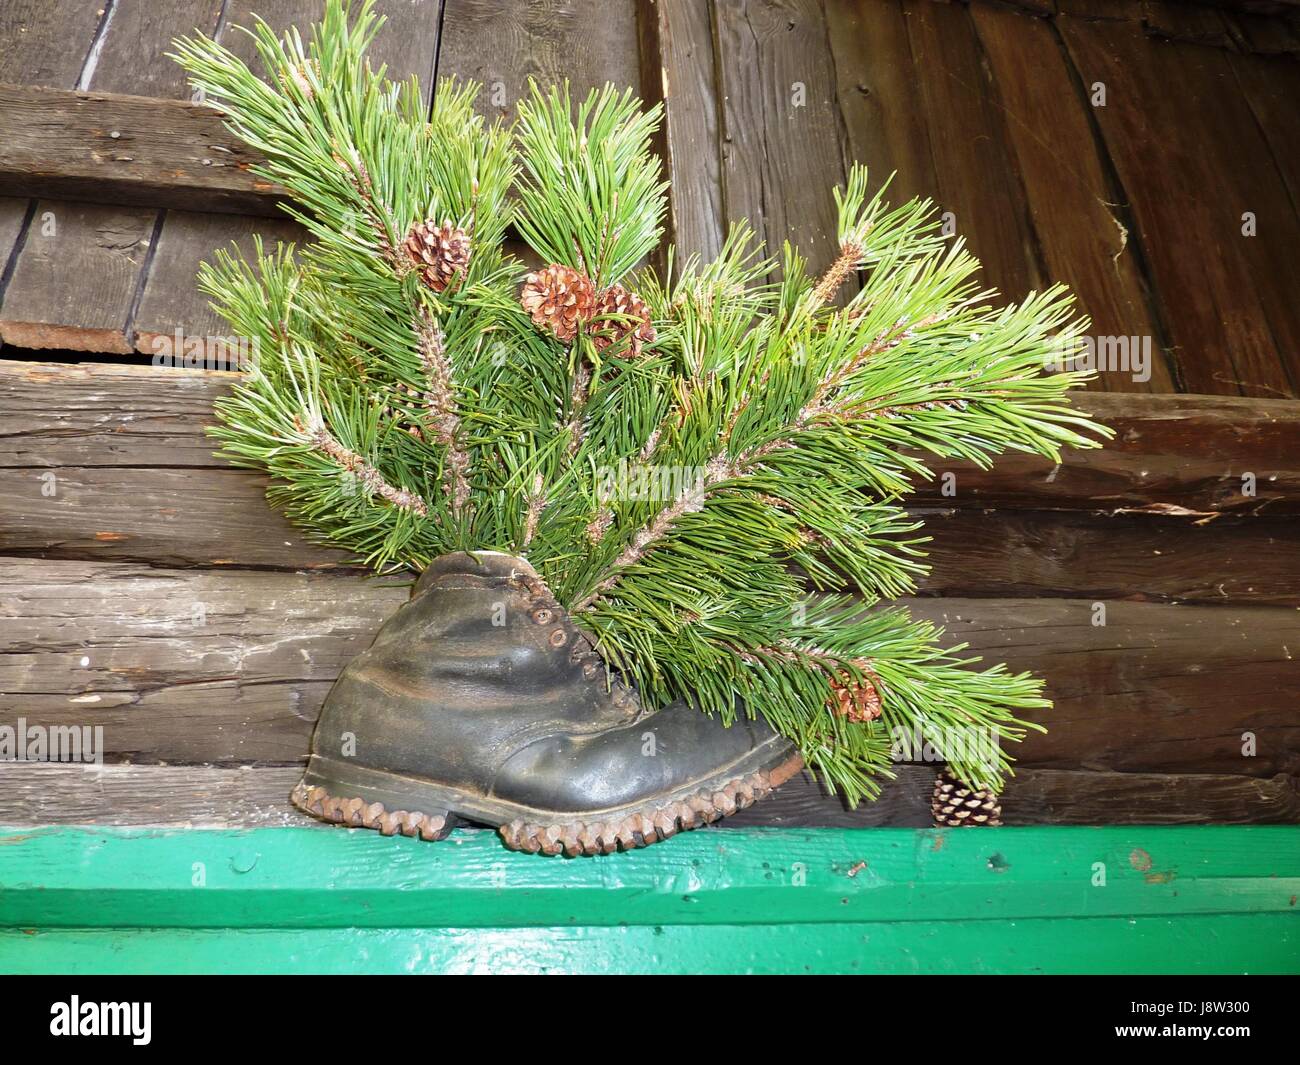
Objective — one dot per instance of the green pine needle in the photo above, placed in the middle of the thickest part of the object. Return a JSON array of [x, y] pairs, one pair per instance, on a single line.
[[720, 510]]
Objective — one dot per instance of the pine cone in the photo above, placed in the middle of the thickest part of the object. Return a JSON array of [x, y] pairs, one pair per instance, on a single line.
[[622, 315], [439, 252], [558, 299], [957, 805], [859, 701]]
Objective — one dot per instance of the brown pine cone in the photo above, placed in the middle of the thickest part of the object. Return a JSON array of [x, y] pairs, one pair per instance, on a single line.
[[439, 252], [859, 701], [957, 805], [621, 315], [558, 299]]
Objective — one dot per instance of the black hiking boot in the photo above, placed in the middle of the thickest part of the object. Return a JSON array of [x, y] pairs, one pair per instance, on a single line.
[[481, 701]]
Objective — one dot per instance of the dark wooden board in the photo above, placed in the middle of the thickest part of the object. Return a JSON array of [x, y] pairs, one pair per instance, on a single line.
[[80, 289], [1231, 313], [1082, 228], [781, 147], [209, 516], [46, 41], [1075, 797], [977, 178], [126, 150], [76, 277], [879, 96], [170, 303], [135, 478], [501, 44], [1170, 454], [677, 52], [232, 666], [1118, 556], [1158, 687], [251, 797]]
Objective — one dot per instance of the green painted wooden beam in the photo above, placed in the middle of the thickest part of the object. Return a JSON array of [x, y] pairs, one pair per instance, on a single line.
[[823, 900]]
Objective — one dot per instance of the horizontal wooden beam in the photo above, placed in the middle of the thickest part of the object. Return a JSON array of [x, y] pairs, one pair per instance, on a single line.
[[205, 796], [1173, 455], [135, 150], [231, 666]]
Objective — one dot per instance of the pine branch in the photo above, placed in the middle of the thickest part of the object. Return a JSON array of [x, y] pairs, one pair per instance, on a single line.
[[370, 478], [837, 273], [440, 400]]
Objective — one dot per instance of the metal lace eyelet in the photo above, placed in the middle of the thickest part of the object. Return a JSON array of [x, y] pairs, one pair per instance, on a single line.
[[559, 638], [542, 616]]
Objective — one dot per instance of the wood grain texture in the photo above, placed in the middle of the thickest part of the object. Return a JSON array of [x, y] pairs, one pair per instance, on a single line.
[[781, 145], [46, 41], [1081, 227], [1232, 318], [134, 477], [79, 288], [1117, 556], [501, 44], [232, 666], [130, 150], [977, 177], [171, 303], [76, 277], [879, 96], [678, 35], [242, 797]]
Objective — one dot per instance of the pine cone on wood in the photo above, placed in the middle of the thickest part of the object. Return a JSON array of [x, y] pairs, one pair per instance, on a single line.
[[622, 316], [439, 252], [558, 299], [858, 700], [957, 805]]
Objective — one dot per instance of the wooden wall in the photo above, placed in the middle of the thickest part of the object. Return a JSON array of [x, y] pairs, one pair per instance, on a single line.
[[145, 586]]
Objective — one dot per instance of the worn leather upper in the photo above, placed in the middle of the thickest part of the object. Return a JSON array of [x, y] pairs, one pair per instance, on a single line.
[[481, 682]]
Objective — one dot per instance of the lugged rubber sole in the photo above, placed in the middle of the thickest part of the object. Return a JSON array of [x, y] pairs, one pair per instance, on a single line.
[[626, 831]]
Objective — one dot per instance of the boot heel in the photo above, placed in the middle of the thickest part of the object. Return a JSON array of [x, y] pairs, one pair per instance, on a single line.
[[357, 811]]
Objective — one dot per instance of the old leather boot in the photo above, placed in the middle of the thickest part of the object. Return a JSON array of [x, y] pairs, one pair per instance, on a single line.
[[480, 700]]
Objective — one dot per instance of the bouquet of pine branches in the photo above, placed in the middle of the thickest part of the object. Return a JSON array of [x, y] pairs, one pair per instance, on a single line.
[[704, 465]]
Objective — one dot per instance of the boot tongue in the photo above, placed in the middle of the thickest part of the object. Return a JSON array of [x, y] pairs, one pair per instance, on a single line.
[[486, 564]]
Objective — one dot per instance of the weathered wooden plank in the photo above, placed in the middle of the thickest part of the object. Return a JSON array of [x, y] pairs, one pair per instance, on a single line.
[[1078, 797], [1081, 227], [218, 516], [879, 95], [51, 302], [13, 218], [973, 157], [677, 51], [171, 304], [501, 44], [781, 150], [1234, 326], [76, 277], [231, 666], [1145, 687], [1124, 556], [242, 797], [134, 477], [46, 41], [122, 149]]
